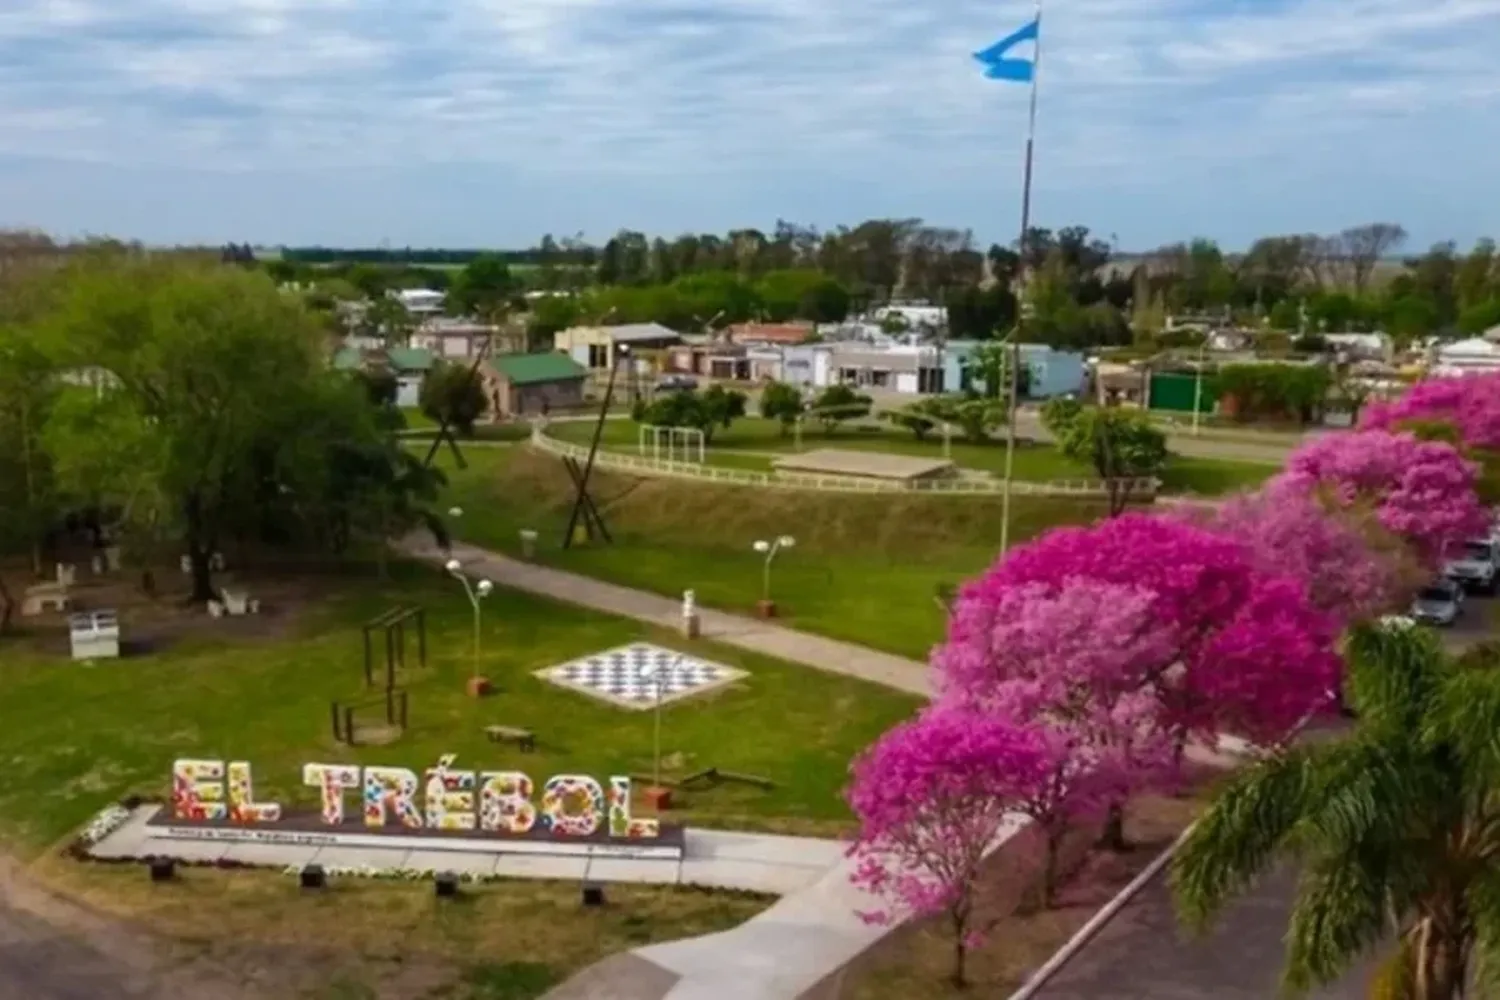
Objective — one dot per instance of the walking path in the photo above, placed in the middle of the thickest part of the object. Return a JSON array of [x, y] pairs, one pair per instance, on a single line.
[[749, 634]]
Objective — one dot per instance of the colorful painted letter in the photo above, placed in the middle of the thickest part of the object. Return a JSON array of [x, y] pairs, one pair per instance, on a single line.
[[505, 802], [448, 796], [572, 805], [332, 780], [242, 805], [198, 789], [620, 823], [391, 791]]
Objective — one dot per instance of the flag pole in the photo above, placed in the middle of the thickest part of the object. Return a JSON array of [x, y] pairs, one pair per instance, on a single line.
[[1021, 283]]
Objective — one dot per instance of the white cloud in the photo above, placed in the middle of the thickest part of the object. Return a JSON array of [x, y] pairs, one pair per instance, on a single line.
[[666, 87]]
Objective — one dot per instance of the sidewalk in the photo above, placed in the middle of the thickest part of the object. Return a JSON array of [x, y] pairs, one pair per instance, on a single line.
[[809, 650]]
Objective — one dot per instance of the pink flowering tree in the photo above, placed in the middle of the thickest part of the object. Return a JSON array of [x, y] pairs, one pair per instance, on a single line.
[[1248, 652], [932, 796], [1352, 572], [1424, 492], [1081, 660], [1470, 404]]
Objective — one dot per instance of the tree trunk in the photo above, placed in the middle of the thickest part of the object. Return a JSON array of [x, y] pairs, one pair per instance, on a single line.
[[199, 552], [1112, 838], [1049, 870], [960, 973], [7, 607], [1441, 962]]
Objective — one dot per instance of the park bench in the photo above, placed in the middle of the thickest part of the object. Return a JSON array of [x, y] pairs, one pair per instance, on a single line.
[[523, 738]]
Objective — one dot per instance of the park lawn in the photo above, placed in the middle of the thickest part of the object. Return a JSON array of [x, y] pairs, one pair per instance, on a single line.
[[78, 737], [362, 939], [1033, 461], [865, 569]]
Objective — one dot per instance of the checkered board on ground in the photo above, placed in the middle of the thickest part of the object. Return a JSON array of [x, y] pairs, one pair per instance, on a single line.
[[624, 676]]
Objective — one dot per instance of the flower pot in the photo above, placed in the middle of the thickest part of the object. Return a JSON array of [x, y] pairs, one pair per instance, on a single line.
[[659, 799], [478, 687], [765, 609]]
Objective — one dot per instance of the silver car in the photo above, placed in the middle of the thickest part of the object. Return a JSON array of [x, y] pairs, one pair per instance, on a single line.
[[1438, 603]]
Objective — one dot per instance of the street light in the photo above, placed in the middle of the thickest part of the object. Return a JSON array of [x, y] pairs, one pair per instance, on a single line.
[[477, 592], [767, 607], [653, 673]]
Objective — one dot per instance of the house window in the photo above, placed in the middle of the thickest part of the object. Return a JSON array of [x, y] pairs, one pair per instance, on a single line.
[[598, 355], [965, 378], [929, 380], [880, 378], [849, 376]]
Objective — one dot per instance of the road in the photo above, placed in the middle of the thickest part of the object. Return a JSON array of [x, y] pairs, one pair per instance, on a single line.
[[1142, 954]]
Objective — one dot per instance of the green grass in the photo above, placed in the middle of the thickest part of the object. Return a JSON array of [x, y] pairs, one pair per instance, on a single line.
[[77, 737], [1032, 461], [865, 568]]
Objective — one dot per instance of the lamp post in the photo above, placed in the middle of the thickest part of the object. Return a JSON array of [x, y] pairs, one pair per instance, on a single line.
[[478, 685], [1198, 385], [766, 607], [659, 797]]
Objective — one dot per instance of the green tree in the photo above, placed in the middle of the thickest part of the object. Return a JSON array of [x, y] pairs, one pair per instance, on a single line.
[[989, 365], [781, 402], [976, 417], [838, 403], [483, 288], [707, 411], [1396, 826], [198, 356], [1122, 446], [452, 393]]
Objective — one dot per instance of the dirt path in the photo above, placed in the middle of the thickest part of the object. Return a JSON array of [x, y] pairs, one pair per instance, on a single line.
[[52, 949]]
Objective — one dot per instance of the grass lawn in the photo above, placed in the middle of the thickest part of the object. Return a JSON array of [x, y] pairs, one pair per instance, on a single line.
[[363, 940], [77, 737], [736, 446], [865, 569]]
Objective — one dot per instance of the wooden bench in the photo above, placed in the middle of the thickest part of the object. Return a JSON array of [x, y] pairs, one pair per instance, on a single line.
[[523, 738]]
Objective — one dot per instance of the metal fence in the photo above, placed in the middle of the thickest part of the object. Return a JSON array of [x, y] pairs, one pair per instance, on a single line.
[[1081, 489]]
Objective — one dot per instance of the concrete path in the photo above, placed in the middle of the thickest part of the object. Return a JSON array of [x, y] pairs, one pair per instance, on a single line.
[[714, 859], [749, 634]]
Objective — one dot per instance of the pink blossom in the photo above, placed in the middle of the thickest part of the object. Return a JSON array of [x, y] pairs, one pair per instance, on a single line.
[[1422, 491], [1208, 601], [1470, 403], [1348, 574], [932, 796]]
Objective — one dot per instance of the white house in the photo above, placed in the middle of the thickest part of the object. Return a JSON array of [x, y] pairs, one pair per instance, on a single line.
[[420, 301], [1474, 355]]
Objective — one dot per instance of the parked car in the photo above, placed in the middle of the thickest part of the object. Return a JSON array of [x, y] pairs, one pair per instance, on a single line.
[[676, 383], [1476, 567], [1438, 603]]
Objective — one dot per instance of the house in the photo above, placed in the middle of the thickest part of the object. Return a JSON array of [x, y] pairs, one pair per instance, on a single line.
[[420, 301], [410, 365], [807, 365], [530, 384], [1477, 354], [721, 359], [1362, 346], [903, 368], [916, 316], [455, 339], [780, 334], [595, 347], [1053, 372]]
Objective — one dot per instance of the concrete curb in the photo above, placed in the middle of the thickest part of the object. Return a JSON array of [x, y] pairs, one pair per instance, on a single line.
[[1101, 918]]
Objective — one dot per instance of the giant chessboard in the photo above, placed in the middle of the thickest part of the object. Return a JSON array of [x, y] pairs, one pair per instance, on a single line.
[[615, 675]]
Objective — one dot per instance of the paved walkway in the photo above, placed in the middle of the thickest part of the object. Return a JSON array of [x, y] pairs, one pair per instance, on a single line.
[[803, 648]]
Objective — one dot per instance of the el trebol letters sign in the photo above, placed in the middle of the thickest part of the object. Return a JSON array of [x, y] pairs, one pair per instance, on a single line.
[[393, 799]]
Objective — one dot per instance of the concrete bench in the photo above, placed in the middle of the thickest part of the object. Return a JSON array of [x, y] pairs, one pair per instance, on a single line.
[[523, 738]]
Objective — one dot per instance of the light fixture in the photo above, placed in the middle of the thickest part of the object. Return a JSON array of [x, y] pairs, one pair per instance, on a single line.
[[483, 588], [455, 512], [453, 566]]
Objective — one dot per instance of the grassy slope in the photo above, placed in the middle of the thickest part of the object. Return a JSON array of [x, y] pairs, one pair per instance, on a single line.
[[865, 568], [76, 737]]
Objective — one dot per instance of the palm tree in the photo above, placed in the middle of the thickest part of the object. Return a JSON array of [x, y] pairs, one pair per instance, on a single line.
[[1396, 827]]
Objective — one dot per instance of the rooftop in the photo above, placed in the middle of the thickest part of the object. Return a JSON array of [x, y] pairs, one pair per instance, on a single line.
[[533, 369]]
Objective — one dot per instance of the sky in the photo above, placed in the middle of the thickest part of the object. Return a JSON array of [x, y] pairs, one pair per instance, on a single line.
[[491, 122]]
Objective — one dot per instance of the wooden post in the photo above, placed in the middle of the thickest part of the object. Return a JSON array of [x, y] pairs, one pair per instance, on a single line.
[[422, 636], [369, 654], [349, 725], [390, 707], [335, 714], [404, 706]]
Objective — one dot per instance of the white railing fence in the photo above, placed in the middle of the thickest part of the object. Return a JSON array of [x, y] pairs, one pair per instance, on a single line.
[[1082, 489]]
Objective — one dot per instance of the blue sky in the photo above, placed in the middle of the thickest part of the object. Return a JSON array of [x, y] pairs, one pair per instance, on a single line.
[[489, 122]]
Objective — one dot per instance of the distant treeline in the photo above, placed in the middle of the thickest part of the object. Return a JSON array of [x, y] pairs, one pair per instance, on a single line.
[[534, 257]]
